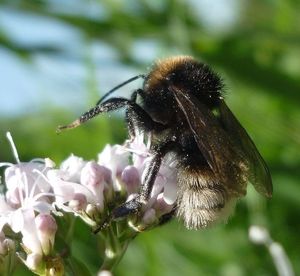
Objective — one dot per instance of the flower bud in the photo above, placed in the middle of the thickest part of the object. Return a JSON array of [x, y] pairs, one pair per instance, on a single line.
[[149, 219], [131, 179], [91, 175], [46, 229], [161, 206], [6, 245], [10, 244], [94, 176], [140, 152], [49, 163], [108, 188], [92, 211], [79, 202], [116, 159]]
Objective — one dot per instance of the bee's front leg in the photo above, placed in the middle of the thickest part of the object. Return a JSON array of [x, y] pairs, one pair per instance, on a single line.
[[134, 206]]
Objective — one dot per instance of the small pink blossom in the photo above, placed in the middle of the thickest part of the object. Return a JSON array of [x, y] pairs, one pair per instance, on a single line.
[[131, 179], [115, 158], [37, 190], [95, 177], [46, 230], [72, 167]]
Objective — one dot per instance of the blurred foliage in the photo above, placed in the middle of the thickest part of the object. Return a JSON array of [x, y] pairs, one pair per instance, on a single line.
[[258, 56]]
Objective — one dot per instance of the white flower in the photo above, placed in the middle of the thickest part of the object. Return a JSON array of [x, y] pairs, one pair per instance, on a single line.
[[89, 189], [28, 193], [166, 180], [66, 191], [25, 183], [95, 177], [115, 158], [164, 192], [72, 167], [27, 189], [29, 231], [140, 152], [82, 193]]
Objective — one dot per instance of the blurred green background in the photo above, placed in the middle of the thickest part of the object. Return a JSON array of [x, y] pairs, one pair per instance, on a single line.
[[57, 58]]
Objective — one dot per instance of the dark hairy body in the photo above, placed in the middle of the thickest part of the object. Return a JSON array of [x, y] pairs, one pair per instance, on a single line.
[[181, 107]]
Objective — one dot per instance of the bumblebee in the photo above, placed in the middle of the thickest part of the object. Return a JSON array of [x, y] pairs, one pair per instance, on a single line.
[[182, 108]]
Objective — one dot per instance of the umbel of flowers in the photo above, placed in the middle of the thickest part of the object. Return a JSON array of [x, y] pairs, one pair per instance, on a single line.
[[38, 193]]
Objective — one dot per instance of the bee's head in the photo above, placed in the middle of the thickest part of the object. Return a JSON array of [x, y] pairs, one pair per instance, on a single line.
[[187, 74]]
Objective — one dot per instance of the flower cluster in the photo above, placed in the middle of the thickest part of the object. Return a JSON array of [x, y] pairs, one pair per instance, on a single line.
[[38, 192]]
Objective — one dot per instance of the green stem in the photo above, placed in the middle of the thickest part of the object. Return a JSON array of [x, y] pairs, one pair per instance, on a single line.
[[110, 263], [70, 233], [9, 263], [114, 250]]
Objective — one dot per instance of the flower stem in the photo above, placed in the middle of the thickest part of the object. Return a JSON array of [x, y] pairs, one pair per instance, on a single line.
[[114, 250]]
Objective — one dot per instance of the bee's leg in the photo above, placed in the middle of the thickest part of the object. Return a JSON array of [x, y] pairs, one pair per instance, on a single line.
[[129, 121], [137, 116], [134, 205]]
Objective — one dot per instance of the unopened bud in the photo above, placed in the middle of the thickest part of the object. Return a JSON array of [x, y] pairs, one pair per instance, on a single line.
[[6, 245], [149, 217], [161, 206], [92, 211], [79, 202], [47, 227], [94, 177], [131, 179], [49, 163]]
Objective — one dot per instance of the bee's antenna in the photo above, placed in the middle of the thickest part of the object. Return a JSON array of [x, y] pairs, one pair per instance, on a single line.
[[119, 86]]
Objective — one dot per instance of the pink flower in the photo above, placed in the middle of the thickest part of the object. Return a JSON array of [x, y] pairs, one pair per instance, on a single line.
[[27, 189], [131, 179], [115, 158]]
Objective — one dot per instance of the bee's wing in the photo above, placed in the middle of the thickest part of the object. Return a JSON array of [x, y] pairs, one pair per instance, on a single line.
[[259, 174], [225, 159]]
